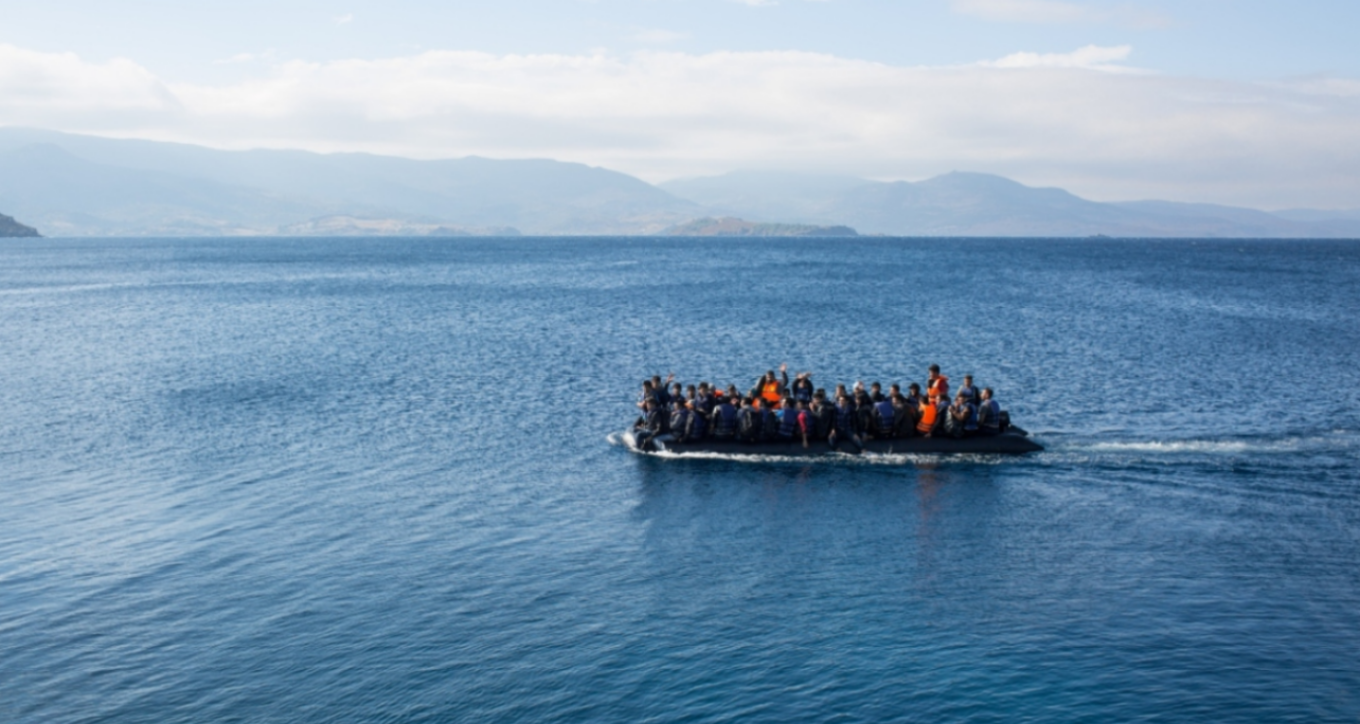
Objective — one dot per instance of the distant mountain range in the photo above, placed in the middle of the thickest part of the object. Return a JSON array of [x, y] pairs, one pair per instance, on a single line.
[[73, 185], [973, 204], [731, 226]]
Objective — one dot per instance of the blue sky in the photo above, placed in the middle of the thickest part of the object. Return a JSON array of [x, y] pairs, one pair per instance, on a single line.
[[1247, 102]]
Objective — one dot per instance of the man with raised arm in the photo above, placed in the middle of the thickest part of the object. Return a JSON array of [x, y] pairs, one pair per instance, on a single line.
[[771, 389]]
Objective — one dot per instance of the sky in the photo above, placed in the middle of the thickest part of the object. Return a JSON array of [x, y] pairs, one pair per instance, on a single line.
[[1227, 101]]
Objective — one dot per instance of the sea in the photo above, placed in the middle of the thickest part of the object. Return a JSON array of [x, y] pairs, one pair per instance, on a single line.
[[381, 480]]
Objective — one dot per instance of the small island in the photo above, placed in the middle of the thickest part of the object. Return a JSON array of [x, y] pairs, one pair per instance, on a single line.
[[13, 229], [731, 226]]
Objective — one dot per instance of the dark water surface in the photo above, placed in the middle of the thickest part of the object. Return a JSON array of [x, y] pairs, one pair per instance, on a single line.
[[372, 480]]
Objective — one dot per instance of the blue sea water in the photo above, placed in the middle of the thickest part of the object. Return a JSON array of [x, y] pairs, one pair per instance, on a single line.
[[340, 480]]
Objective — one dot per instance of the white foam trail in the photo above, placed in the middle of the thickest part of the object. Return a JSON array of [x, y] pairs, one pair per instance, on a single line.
[[1339, 440]]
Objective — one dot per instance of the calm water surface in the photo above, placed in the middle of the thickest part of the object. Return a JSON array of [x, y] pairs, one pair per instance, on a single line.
[[373, 480]]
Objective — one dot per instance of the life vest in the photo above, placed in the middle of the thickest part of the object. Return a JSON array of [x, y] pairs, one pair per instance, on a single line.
[[971, 393], [788, 422], [802, 391], [749, 423], [724, 421], [845, 420], [929, 412], [697, 426], [679, 420], [770, 429], [770, 393], [989, 415], [939, 386], [885, 417]]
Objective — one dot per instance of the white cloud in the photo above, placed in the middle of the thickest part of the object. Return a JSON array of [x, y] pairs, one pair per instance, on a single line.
[[343, 19], [1041, 119], [1091, 57]]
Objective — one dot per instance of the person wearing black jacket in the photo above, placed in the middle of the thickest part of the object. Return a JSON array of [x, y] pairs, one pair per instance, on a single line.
[[802, 388], [696, 428], [724, 419], [847, 425], [750, 422], [680, 421], [769, 430], [650, 426]]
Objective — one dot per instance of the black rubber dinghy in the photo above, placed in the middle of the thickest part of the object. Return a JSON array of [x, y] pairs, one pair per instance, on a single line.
[[1013, 441]]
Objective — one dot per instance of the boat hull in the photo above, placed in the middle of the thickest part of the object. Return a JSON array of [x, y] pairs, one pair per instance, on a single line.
[[1012, 442]]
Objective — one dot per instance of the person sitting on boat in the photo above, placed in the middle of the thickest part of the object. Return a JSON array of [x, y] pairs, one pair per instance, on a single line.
[[788, 420], [724, 420], [704, 400], [875, 393], [769, 431], [771, 389], [968, 390], [931, 417], [679, 420], [961, 420], [825, 413], [885, 417], [650, 426], [807, 423], [904, 413], [732, 394], [847, 426], [914, 394], [696, 428], [989, 414], [675, 396], [864, 411], [801, 391], [937, 384], [750, 421]]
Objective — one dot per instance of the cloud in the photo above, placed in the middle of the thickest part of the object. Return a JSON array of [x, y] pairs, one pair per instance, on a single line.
[[1044, 119], [343, 19], [1091, 57]]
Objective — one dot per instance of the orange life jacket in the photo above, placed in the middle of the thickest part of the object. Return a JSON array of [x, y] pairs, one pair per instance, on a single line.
[[770, 392], [929, 411], [940, 386]]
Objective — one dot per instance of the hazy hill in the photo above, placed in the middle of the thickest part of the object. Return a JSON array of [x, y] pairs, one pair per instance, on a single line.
[[11, 228], [87, 185], [973, 204], [71, 185], [730, 226]]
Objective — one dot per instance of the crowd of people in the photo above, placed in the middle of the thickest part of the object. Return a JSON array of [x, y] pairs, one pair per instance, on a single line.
[[773, 411]]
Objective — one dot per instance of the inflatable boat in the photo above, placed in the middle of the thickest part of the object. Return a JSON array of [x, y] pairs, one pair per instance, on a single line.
[[1014, 441]]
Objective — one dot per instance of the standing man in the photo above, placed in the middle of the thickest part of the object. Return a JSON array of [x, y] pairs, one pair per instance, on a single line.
[[937, 385], [968, 390], [770, 389]]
